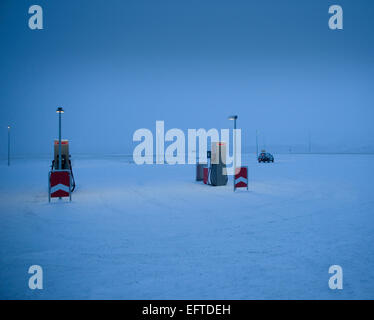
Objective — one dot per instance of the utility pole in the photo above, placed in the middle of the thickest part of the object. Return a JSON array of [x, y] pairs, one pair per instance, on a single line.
[[8, 146], [264, 140], [60, 110]]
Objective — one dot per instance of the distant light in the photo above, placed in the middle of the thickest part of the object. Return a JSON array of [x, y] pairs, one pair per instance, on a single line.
[[8, 127], [233, 117], [60, 110]]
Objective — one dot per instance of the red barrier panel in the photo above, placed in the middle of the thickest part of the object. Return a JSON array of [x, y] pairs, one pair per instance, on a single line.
[[206, 175], [241, 178], [59, 184]]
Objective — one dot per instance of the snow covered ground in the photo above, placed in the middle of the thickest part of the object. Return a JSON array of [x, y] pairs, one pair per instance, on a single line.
[[152, 232]]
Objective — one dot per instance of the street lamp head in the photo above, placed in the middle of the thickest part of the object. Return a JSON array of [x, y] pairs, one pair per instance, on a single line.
[[8, 127], [60, 110], [233, 117]]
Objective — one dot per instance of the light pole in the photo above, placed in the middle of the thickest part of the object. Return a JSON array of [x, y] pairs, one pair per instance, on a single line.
[[256, 144], [59, 111], [234, 149], [8, 146]]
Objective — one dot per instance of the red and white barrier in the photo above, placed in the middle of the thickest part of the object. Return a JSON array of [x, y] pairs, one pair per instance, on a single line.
[[59, 184], [241, 178], [206, 175]]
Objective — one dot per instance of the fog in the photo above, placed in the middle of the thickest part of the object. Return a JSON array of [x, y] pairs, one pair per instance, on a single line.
[[117, 66]]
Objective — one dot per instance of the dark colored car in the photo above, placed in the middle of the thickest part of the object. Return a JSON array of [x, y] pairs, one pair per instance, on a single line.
[[265, 157]]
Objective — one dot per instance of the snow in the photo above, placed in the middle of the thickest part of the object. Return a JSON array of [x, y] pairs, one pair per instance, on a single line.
[[152, 232]]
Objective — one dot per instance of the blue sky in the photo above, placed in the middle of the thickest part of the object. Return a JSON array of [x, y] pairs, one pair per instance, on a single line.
[[117, 66]]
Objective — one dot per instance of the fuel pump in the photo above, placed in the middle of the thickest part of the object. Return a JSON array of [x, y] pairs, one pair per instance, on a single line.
[[217, 164], [61, 182], [65, 159]]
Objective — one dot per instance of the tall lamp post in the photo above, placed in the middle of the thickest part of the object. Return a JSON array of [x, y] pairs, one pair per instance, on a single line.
[[234, 149], [59, 110], [8, 146]]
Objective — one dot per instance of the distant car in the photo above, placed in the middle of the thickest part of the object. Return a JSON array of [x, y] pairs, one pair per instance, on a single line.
[[265, 157]]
